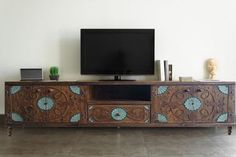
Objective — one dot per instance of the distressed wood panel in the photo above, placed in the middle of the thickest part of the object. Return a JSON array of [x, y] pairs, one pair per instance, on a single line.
[[68, 105], [125, 114], [181, 104], [23, 104]]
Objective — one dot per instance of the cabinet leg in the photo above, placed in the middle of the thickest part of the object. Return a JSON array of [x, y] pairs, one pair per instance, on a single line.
[[229, 130], [9, 130]]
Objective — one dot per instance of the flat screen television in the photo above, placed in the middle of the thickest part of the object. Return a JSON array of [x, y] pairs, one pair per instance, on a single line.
[[117, 51]]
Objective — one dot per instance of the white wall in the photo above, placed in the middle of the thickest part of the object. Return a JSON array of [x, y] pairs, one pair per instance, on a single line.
[[41, 33]]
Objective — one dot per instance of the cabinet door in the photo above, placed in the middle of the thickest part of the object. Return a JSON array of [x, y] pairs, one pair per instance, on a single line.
[[183, 104], [168, 104], [65, 103], [21, 104], [213, 103]]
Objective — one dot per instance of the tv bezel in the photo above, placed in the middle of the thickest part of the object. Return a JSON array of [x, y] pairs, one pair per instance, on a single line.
[[117, 75]]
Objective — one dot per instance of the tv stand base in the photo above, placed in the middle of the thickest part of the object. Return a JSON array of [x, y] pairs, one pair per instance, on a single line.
[[117, 78]]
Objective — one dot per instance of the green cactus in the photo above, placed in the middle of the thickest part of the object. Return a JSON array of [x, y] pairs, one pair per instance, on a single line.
[[54, 71]]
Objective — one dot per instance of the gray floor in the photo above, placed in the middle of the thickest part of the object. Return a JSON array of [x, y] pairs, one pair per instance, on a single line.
[[112, 142]]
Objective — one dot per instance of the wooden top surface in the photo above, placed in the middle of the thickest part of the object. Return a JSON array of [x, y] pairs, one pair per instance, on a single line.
[[139, 82]]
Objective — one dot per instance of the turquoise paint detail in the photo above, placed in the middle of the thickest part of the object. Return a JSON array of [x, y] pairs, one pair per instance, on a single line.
[[222, 117], [16, 117], [15, 89], [75, 89], [118, 114], [45, 103], [75, 118], [162, 90], [162, 118], [223, 89], [192, 103]]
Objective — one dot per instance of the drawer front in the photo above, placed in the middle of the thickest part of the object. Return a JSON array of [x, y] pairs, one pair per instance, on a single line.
[[194, 103], [138, 114]]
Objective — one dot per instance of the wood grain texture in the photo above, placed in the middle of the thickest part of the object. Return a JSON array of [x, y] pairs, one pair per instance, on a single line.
[[24, 103], [65, 104], [171, 104], [7, 105], [103, 114], [90, 83], [231, 104]]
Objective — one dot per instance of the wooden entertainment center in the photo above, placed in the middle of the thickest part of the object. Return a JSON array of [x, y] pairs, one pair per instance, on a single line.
[[119, 104]]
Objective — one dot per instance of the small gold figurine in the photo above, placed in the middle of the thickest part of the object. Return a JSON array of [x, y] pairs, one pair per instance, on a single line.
[[212, 67]]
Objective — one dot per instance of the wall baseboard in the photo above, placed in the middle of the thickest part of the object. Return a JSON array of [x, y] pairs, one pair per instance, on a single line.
[[2, 119]]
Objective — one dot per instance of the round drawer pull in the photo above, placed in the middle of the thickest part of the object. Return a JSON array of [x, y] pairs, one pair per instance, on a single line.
[[118, 114]]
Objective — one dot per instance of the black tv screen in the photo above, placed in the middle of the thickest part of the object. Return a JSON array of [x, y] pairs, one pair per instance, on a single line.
[[117, 51]]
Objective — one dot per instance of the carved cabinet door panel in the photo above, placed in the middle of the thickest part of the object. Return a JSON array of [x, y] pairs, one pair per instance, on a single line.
[[183, 104], [66, 104], [22, 104], [113, 114], [213, 100], [168, 104]]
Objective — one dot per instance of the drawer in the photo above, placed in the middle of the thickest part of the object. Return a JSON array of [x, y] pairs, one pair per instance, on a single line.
[[138, 114]]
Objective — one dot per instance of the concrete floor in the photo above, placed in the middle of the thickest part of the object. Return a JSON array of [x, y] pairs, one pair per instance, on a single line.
[[112, 142]]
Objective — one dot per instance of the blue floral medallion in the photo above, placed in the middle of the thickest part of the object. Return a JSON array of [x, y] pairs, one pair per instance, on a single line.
[[75, 118], [75, 89], [192, 103], [15, 89], [223, 89], [118, 114], [161, 118], [162, 90], [16, 117], [222, 118], [45, 103]]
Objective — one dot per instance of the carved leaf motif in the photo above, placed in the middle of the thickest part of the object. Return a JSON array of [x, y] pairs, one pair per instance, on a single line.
[[161, 90], [75, 118], [161, 118], [222, 118], [223, 89], [15, 89], [75, 89], [16, 117]]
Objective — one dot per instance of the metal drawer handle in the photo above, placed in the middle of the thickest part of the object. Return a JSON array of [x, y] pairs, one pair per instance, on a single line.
[[186, 90], [117, 114], [198, 90]]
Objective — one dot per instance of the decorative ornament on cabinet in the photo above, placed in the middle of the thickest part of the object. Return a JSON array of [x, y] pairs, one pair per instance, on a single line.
[[211, 68], [54, 73]]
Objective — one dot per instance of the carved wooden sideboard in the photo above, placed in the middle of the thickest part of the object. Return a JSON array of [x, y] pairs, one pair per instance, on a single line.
[[119, 104]]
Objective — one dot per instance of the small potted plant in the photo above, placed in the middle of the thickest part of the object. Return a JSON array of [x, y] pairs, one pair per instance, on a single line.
[[54, 75]]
